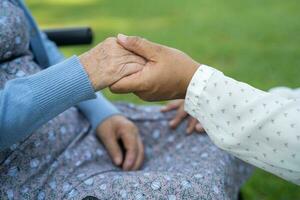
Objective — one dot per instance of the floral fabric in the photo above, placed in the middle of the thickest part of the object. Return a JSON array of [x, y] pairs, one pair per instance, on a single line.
[[176, 166]]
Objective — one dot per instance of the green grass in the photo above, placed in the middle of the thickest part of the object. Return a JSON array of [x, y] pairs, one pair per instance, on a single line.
[[256, 41]]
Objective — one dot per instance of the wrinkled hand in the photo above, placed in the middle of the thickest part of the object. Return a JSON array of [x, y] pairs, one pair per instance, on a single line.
[[165, 76], [108, 62], [193, 124], [118, 129]]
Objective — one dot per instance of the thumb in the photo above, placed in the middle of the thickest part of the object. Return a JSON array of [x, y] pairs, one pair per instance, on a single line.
[[129, 69], [139, 46], [127, 84]]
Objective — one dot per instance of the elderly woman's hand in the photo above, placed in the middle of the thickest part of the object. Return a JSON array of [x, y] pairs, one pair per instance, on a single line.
[[122, 141], [108, 62]]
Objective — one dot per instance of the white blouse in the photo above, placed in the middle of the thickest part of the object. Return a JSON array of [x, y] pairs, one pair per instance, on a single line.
[[261, 128]]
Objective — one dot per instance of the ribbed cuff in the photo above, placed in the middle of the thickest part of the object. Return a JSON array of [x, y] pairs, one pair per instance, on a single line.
[[195, 89], [61, 86], [98, 110]]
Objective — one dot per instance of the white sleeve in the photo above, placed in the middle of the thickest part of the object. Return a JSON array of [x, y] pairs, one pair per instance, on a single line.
[[286, 92], [258, 127]]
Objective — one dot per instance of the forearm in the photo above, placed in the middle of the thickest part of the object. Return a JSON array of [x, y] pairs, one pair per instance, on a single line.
[[28, 103], [98, 110], [258, 127], [95, 110]]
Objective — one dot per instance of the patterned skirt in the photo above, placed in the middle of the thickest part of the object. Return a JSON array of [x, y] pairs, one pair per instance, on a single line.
[[176, 166]]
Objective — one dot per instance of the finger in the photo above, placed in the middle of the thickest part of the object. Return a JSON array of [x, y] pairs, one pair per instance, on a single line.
[[131, 147], [129, 68], [132, 58], [199, 128], [180, 115], [127, 84], [171, 106], [112, 146], [140, 157], [192, 122], [139, 46]]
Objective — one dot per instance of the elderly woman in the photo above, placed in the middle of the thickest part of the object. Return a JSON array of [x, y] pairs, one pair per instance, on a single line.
[[49, 151]]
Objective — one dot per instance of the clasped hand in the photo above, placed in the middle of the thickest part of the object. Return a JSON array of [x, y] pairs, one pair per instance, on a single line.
[[149, 70], [130, 64]]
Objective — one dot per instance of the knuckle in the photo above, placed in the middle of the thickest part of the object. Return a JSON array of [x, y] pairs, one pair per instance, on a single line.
[[105, 138], [109, 43], [110, 40], [132, 129], [126, 59], [136, 41], [135, 130], [159, 49]]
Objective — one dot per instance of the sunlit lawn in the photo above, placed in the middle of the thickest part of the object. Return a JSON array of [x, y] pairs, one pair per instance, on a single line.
[[256, 41]]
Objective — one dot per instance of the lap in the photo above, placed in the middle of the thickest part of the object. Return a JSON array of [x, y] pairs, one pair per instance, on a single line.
[[176, 166]]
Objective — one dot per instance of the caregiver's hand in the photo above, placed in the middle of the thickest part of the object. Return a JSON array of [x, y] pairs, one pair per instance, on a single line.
[[108, 62], [118, 129], [165, 76], [178, 105]]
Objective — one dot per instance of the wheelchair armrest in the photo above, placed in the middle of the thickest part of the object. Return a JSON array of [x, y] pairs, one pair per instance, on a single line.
[[70, 36]]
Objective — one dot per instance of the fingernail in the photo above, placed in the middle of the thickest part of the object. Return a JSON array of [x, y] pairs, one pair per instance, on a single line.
[[122, 38]]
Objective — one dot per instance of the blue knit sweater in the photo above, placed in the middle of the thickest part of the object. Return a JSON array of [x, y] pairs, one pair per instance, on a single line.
[[27, 103]]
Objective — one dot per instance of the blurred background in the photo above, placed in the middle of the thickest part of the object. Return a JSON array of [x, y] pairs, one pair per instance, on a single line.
[[255, 41]]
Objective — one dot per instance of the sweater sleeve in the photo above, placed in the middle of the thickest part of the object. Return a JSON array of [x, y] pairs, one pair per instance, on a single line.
[[95, 110], [27, 103], [98, 110], [261, 128]]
